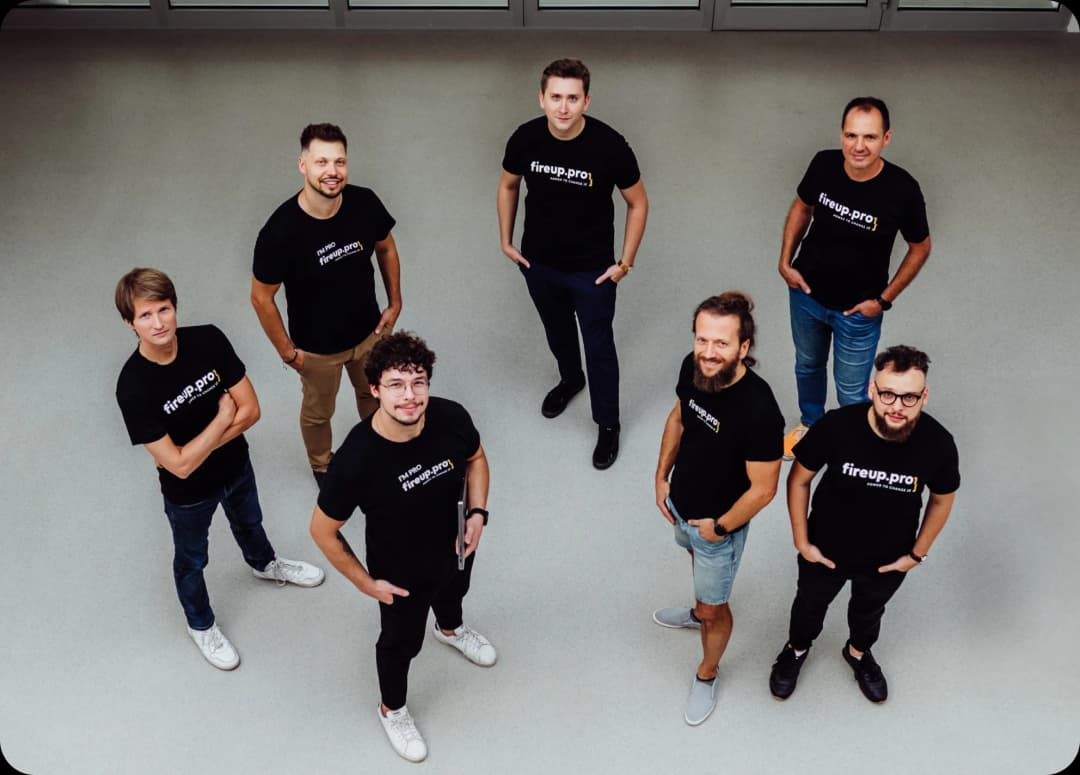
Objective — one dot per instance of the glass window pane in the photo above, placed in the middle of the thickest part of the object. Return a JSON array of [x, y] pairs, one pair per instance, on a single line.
[[87, 4], [429, 4], [249, 3], [859, 3], [619, 4], [981, 5]]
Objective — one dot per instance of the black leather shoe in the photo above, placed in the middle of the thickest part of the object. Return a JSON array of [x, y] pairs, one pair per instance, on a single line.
[[785, 672], [558, 397], [868, 675], [607, 448]]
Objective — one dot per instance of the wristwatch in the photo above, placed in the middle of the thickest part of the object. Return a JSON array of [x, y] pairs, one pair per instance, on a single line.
[[477, 510], [627, 268], [916, 557], [885, 305], [720, 529]]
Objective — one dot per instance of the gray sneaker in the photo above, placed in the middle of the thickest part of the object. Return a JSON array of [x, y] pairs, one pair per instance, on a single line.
[[701, 702], [676, 618]]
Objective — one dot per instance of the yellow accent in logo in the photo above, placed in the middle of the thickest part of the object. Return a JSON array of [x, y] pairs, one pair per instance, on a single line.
[[915, 487], [217, 376], [451, 463], [590, 180], [875, 225]]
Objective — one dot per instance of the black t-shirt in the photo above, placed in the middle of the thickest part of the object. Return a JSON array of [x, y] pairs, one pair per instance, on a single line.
[[569, 213], [326, 267], [845, 254], [721, 432], [180, 399], [865, 511], [408, 491]]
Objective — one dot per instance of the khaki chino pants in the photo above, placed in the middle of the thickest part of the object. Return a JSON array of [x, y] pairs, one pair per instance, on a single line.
[[320, 379]]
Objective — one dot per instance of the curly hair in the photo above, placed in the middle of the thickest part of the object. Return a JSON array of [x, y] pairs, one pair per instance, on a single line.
[[402, 350]]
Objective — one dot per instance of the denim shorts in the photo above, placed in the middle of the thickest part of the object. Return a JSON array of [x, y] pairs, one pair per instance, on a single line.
[[715, 562]]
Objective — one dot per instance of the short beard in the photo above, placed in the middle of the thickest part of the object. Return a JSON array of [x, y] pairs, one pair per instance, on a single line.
[[717, 381], [894, 435]]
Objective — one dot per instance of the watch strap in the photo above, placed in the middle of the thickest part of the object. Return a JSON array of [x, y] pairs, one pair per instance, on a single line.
[[477, 510]]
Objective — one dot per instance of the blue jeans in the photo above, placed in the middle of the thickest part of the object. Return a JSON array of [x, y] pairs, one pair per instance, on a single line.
[[715, 562], [191, 529], [855, 340], [560, 297]]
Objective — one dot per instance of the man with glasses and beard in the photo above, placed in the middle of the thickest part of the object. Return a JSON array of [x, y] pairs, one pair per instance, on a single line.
[[404, 468], [724, 441], [864, 525]]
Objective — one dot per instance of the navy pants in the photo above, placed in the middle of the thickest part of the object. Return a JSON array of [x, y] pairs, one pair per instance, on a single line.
[[191, 530], [565, 301]]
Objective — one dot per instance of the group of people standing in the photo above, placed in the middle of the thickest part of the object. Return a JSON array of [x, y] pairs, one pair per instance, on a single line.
[[414, 464]]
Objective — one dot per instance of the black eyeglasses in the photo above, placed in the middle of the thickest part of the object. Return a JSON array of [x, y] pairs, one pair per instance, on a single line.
[[889, 398]]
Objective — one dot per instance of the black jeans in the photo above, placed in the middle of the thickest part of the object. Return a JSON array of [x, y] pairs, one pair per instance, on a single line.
[[560, 297], [818, 585], [404, 624]]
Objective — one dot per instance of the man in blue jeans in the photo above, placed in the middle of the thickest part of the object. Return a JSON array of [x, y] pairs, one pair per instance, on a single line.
[[839, 281], [723, 441], [189, 406]]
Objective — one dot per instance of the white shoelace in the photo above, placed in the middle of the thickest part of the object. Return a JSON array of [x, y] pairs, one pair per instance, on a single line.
[[470, 640], [403, 725], [214, 640], [284, 571]]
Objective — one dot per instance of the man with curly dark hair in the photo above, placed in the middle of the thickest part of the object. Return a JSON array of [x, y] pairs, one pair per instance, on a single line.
[[405, 469]]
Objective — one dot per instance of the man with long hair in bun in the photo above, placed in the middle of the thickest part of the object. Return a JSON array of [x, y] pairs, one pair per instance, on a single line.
[[719, 465]]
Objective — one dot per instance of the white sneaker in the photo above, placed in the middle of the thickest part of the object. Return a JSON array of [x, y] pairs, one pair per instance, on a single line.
[[403, 735], [283, 571], [476, 648], [215, 647]]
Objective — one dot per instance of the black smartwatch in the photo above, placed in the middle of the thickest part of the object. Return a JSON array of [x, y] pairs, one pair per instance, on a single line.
[[477, 510], [720, 529], [885, 305]]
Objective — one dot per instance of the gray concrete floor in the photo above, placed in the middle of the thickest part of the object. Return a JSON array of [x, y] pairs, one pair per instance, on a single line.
[[170, 149]]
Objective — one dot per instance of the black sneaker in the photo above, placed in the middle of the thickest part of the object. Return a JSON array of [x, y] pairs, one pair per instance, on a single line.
[[785, 672], [607, 448], [868, 675], [558, 397]]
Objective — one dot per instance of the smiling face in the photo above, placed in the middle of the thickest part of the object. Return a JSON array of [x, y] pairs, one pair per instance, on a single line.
[[402, 395], [564, 102], [895, 421], [862, 139], [718, 353], [154, 322], [325, 168]]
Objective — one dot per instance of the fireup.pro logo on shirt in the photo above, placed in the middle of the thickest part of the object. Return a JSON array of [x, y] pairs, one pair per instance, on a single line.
[[848, 215], [885, 479], [562, 174], [193, 392], [418, 475], [702, 413], [330, 253]]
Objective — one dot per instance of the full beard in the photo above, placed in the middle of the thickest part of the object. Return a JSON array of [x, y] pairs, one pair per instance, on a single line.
[[894, 435], [717, 381]]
